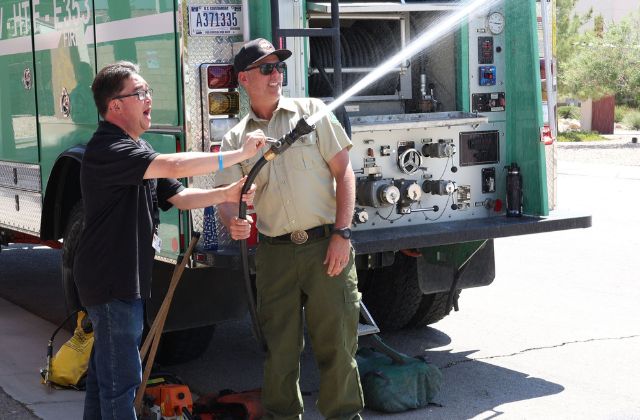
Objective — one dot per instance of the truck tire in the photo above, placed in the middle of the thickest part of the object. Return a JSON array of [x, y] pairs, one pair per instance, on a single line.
[[392, 294], [432, 309], [72, 233], [183, 346]]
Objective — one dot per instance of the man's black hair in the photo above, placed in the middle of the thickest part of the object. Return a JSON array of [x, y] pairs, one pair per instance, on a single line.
[[109, 82]]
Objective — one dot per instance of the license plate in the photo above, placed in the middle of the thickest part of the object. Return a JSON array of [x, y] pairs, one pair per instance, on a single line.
[[211, 20]]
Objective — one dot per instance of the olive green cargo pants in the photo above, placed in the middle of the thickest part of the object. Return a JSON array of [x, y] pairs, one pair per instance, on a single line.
[[292, 277]]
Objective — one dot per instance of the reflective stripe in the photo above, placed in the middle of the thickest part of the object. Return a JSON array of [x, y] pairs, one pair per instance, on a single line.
[[137, 27], [15, 45]]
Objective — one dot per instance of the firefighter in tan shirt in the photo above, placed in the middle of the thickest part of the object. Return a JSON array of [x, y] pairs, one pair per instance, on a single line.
[[305, 261]]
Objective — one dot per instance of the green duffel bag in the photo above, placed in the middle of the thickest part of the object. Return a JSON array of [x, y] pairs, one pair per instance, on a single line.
[[392, 386]]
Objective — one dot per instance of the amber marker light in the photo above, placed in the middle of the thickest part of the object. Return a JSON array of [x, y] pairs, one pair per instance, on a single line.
[[224, 103]]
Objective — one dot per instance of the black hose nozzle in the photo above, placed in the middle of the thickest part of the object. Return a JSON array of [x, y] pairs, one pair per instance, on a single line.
[[301, 129]]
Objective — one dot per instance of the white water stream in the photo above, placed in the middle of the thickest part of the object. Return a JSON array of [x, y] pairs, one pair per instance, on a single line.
[[429, 37]]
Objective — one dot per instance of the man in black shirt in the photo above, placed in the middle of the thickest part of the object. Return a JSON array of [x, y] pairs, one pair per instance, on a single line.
[[124, 183]]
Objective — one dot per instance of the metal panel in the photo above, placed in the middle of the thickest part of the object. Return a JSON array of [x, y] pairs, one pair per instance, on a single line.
[[195, 51], [64, 67], [551, 157], [18, 133], [21, 176], [374, 134], [20, 210], [408, 121], [384, 7]]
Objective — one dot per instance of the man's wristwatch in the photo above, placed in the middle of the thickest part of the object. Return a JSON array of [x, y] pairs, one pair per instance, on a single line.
[[344, 232]]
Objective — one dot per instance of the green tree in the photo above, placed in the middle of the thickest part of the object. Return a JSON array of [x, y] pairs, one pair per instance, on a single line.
[[568, 24], [605, 63]]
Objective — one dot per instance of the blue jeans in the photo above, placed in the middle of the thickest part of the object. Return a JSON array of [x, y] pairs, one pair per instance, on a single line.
[[115, 371]]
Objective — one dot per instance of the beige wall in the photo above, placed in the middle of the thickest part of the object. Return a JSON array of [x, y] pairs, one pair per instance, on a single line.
[[611, 10]]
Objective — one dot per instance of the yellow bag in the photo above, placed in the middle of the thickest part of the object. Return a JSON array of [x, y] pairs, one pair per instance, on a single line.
[[68, 368]]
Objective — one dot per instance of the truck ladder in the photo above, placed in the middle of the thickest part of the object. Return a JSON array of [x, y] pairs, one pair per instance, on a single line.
[[278, 34]]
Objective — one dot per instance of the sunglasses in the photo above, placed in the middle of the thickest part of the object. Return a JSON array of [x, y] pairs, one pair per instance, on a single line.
[[267, 68]]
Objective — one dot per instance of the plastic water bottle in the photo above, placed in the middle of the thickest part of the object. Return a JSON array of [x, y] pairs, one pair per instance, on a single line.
[[514, 191]]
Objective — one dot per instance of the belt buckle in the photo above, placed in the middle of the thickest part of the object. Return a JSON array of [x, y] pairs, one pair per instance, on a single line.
[[299, 237]]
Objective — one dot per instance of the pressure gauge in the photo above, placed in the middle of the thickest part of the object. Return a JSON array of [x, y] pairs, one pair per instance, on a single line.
[[495, 21]]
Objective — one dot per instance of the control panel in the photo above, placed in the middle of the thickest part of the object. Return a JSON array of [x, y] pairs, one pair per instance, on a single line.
[[487, 63], [423, 168]]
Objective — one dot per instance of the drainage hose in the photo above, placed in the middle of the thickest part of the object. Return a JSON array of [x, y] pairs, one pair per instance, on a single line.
[[277, 148]]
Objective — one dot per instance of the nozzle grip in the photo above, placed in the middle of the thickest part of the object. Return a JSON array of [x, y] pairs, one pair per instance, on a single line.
[[301, 129]]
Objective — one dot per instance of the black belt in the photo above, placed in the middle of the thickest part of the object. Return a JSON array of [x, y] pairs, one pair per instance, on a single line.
[[300, 236]]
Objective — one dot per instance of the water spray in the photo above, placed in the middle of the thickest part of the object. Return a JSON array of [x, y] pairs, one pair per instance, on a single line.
[[428, 38]]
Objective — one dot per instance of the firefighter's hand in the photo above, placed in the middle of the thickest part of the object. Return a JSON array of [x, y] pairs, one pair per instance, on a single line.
[[338, 255], [240, 228], [253, 142], [232, 192]]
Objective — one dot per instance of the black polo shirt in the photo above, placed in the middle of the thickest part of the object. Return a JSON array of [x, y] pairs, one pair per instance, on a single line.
[[115, 255]]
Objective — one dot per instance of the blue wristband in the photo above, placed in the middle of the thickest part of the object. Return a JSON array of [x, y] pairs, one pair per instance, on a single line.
[[220, 165]]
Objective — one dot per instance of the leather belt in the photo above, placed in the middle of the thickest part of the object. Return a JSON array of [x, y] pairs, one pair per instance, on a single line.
[[299, 237]]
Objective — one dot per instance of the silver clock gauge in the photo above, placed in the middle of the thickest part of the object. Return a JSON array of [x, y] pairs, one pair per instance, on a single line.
[[495, 21]]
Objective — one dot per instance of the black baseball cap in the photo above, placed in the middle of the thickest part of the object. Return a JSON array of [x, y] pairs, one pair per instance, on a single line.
[[254, 51]]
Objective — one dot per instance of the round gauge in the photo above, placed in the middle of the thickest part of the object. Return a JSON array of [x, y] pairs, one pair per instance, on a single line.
[[495, 21]]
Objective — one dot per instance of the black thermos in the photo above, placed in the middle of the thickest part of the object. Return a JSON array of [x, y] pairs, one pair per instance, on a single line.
[[514, 191]]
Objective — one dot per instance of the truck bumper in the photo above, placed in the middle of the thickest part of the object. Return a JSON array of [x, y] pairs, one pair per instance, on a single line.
[[445, 233]]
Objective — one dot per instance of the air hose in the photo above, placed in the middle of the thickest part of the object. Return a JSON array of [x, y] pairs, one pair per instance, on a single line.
[[277, 148]]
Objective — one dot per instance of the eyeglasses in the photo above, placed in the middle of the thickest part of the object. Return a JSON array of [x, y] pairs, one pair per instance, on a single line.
[[141, 94], [267, 68]]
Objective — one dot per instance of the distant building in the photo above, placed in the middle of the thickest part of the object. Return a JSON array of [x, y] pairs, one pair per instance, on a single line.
[[611, 10]]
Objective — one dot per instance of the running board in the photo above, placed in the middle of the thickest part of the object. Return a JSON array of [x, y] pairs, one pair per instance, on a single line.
[[369, 327]]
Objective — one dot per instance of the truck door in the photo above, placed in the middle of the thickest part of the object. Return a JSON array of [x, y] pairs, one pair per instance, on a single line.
[[18, 134], [65, 66], [20, 198]]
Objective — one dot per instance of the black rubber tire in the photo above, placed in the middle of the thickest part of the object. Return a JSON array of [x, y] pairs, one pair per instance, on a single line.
[[392, 294], [72, 233], [183, 346], [432, 309]]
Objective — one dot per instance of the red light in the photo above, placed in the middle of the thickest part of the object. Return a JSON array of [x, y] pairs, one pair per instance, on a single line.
[[221, 77], [174, 244], [546, 136], [497, 205], [215, 148]]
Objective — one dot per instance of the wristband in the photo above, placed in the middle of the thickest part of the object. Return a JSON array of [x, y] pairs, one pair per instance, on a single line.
[[220, 164]]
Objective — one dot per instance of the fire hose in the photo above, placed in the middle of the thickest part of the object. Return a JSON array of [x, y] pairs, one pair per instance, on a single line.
[[277, 147]]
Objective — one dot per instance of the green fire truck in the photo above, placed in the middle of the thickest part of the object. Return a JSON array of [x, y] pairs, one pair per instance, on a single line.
[[436, 139]]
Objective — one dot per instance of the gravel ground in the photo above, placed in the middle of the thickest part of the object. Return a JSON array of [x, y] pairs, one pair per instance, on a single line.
[[618, 149]]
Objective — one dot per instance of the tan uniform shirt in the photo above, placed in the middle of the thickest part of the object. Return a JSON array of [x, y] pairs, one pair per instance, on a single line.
[[296, 189]]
